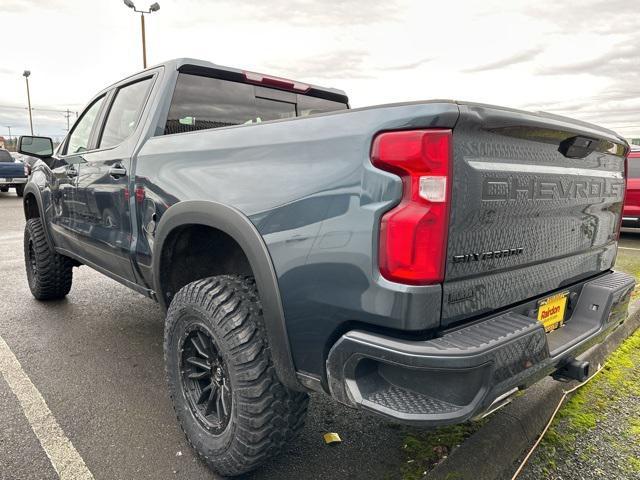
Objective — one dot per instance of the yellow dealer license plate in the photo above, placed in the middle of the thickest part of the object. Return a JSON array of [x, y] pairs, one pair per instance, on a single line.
[[551, 311]]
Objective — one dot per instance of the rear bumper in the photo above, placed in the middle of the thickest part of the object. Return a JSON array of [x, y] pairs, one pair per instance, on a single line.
[[471, 370], [13, 181]]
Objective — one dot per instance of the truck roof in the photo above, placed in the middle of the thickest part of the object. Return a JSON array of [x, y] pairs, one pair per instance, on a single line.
[[203, 67]]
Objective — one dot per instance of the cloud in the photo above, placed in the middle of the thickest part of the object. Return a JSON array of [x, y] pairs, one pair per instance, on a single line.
[[312, 12], [588, 16], [330, 65], [515, 59], [406, 66], [23, 6], [623, 59]]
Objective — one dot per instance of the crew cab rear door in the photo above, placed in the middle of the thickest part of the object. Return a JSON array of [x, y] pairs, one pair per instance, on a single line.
[[103, 214]]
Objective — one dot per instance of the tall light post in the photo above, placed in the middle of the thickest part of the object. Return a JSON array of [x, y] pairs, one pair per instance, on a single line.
[[9, 127], [26, 74], [153, 8]]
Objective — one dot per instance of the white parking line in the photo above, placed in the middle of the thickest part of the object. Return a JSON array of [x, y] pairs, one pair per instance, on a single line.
[[63, 456], [629, 248]]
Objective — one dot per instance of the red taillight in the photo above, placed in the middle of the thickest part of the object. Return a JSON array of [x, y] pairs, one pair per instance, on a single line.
[[413, 235], [270, 81]]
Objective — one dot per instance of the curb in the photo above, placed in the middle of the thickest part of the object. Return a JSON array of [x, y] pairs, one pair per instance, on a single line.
[[492, 451]]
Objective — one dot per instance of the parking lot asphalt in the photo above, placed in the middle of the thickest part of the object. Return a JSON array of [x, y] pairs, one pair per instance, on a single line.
[[96, 359]]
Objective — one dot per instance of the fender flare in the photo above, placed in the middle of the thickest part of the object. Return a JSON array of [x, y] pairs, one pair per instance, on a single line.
[[235, 224], [32, 188]]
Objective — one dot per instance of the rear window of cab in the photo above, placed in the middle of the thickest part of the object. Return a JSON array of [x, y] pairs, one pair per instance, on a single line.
[[200, 103]]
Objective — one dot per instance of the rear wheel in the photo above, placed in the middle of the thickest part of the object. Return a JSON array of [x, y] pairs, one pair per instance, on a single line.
[[4, 189], [233, 409], [49, 274], [20, 190]]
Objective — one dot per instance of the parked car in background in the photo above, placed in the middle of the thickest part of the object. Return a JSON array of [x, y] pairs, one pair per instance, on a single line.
[[13, 173], [631, 213], [26, 159]]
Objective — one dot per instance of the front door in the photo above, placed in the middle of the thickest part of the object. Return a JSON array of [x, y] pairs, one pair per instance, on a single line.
[[65, 166]]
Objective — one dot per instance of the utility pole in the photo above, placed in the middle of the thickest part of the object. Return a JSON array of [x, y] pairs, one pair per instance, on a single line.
[[9, 127], [67, 115], [26, 74], [153, 8]]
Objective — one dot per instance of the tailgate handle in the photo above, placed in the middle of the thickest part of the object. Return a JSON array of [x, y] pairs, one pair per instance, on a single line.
[[578, 146]]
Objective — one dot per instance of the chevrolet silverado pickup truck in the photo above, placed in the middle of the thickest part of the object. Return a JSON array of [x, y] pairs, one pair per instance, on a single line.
[[13, 174], [422, 261]]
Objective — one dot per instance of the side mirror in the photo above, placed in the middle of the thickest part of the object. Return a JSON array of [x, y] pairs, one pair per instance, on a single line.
[[40, 147]]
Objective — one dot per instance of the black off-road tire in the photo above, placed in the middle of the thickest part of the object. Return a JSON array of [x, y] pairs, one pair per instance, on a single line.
[[49, 274], [20, 190], [264, 415]]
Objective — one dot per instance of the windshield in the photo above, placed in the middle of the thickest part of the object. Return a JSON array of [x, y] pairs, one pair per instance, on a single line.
[[5, 156]]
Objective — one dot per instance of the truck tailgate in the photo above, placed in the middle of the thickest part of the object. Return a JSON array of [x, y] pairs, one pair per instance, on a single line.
[[11, 170], [536, 205]]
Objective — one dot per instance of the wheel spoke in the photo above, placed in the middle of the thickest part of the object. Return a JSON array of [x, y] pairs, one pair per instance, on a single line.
[[198, 344], [212, 399], [197, 362], [199, 375], [223, 398], [204, 394]]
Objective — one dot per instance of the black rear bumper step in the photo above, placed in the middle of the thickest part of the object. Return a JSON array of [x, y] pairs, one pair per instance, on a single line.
[[465, 372]]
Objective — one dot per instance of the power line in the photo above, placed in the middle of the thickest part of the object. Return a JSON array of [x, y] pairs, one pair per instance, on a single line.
[[14, 107]]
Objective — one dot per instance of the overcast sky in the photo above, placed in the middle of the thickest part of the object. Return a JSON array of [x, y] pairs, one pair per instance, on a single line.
[[575, 57]]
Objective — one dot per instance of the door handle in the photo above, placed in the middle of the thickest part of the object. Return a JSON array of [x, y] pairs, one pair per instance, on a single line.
[[117, 171]]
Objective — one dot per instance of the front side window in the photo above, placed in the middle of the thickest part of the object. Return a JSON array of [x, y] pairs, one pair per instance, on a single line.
[[79, 138], [124, 113], [203, 102]]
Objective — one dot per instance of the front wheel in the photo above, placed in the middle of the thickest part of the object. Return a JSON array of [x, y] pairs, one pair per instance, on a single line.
[[229, 402], [49, 274]]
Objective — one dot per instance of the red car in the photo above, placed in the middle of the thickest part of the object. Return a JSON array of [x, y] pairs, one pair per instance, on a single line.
[[631, 212]]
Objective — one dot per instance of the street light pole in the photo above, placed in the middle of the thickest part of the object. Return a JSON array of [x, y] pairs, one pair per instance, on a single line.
[[144, 42], [26, 74], [153, 8]]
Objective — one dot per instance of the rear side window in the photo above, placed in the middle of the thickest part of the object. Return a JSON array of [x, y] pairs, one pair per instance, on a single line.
[[634, 167], [124, 113], [5, 156], [202, 102], [312, 105]]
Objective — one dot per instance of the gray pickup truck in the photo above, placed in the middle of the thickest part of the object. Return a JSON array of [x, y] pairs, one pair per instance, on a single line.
[[423, 261]]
